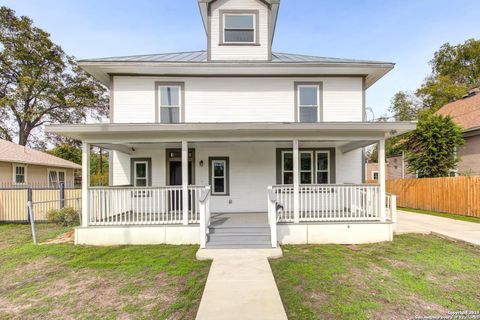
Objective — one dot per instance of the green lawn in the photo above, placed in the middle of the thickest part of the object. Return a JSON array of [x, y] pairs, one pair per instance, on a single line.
[[415, 275], [443, 215], [57, 281]]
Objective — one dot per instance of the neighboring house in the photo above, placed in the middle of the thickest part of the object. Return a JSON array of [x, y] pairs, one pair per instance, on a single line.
[[21, 166], [209, 146], [396, 168], [466, 113]]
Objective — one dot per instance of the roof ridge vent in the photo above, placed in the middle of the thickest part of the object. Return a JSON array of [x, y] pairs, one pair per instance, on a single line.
[[471, 93]]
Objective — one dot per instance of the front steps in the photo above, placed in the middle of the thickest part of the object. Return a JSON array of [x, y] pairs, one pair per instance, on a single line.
[[246, 236]]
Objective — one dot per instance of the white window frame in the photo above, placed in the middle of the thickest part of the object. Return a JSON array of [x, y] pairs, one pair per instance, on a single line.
[[254, 29], [328, 166], [283, 166], [373, 174], [179, 106], [299, 106], [147, 182], [224, 177], [14, 174], [57, 171], [312, 167]]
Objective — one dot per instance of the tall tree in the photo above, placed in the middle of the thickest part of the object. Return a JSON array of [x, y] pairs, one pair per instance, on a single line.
[[403, 107], [39, 83], [431, 148], [455, 70]]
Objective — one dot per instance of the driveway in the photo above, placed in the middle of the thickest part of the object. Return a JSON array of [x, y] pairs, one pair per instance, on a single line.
[[422, 223]]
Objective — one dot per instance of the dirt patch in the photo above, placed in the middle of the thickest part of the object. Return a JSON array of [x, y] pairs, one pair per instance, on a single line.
[[67, 237]]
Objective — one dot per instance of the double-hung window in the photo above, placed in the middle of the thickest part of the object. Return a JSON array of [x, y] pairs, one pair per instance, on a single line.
[[219, 176], [170, 101], [19, 174], [314, 167], [239, 28], [323, 167], [308, 103], [55, 178], [140, 174]]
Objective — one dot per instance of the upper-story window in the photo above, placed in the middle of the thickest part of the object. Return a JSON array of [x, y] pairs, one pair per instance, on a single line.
[[239, 28], [308, 103], [170, 103]]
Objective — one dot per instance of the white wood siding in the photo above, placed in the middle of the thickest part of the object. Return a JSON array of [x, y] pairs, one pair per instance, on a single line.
[[225, 52], [236, 99], [252, 168]]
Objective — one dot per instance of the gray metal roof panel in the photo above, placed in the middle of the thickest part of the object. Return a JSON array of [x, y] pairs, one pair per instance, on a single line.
[[201, 56]]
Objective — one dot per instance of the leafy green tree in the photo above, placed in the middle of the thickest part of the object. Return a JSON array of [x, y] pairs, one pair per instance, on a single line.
[[431, 148], [67, 152], [403, 107], [39, 83], [455, 70]]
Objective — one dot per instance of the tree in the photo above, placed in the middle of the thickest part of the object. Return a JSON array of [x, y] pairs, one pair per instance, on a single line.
[[431, 149], [39, 83], [403, 107], [455, 70], [67, 152]]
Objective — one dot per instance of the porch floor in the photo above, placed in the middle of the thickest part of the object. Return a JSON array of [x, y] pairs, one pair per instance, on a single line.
[[250, 219]]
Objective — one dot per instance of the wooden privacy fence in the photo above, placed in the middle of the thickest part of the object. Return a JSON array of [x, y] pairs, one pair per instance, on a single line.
[[13, 202], [458, 195]]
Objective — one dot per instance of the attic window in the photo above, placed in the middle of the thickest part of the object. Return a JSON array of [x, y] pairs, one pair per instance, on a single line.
[[239, 28]]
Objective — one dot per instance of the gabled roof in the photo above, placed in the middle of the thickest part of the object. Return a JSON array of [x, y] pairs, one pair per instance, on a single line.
[[12, 152], [274, 5], [465, 112], [201, 56]]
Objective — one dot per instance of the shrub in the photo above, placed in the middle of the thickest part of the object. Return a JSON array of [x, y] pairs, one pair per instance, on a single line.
[[66, 217]]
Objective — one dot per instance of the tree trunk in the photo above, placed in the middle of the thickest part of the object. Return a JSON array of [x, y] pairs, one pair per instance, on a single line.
[[23, 137]]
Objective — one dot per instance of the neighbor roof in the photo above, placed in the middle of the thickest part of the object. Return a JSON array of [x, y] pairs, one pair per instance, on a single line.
[[12, 152], [465, 112], [201, 56]]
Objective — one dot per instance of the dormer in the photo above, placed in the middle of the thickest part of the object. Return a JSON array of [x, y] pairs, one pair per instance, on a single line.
[[239, 30]]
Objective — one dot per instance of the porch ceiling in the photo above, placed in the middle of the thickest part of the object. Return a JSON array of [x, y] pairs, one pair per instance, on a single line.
[[358, 134]]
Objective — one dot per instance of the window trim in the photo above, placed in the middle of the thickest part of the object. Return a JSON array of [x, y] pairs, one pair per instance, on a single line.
[[211, 160], [319, 85], [181, 86], [14, 174], [133, 171], [256, 26], [328, 167], [331, 163], [58, 176]]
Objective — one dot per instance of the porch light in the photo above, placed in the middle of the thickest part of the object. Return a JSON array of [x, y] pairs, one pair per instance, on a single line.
[[201, 163]]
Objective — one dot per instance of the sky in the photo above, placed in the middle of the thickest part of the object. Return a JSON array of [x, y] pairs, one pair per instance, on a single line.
[[406, 32]]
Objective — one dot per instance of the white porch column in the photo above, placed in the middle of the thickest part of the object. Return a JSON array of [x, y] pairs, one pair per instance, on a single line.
[[381, 178], [85, 182], [185, 181], [296, 183]]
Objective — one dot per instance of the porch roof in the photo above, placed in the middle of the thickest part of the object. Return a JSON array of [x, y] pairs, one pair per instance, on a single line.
[[355, 134]]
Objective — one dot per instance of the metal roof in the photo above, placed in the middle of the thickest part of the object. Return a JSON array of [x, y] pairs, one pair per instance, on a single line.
[[201, 56]]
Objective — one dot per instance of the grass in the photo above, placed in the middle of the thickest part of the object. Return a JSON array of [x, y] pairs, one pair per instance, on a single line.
[[415, 275], [443, 215], [66, 281]]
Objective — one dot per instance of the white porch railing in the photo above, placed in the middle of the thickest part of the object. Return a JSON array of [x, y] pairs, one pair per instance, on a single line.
[[391, 209], [205, 216], [330, 203], [146, 205]]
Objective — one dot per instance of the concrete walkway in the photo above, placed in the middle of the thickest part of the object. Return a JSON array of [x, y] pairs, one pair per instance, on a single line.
[[423, 223], [240, 285]]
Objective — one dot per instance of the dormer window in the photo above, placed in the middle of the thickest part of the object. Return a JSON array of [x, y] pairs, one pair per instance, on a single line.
[[239, 27]]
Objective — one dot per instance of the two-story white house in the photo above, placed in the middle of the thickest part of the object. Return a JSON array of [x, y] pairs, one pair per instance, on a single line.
[[236, 145]]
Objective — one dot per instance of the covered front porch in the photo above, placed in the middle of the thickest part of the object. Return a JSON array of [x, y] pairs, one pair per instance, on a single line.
[[293, 177]]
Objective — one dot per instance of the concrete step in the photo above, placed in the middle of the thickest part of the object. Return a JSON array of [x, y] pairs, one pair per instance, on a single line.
[[239, 238], [240, 229], [239, 246]]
